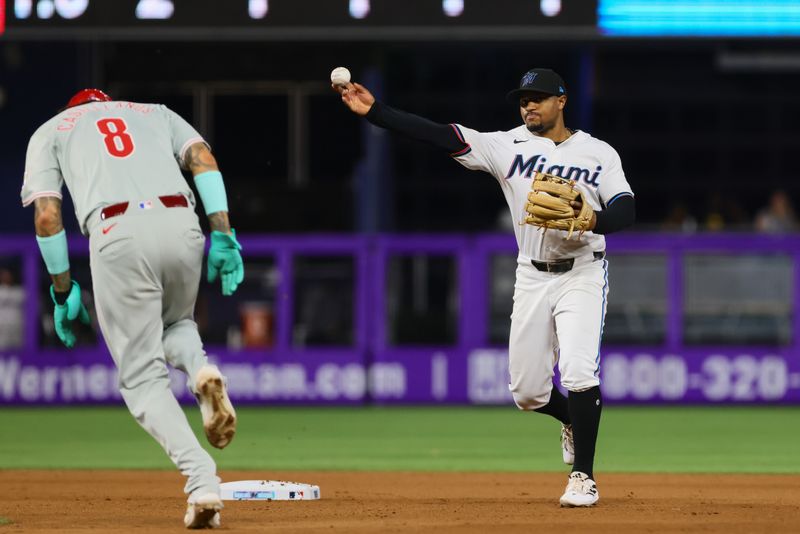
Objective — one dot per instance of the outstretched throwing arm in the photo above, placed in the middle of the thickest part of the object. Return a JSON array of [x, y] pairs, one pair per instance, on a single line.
[[361, 102]]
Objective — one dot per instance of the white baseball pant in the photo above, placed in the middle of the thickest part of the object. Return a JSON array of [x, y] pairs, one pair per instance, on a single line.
[[556, 318]]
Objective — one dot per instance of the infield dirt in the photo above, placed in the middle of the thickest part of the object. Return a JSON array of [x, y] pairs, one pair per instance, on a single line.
[[394, 502]]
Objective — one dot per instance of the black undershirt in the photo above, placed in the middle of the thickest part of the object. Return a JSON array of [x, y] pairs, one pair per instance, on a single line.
[[439, 135], [619, 214]]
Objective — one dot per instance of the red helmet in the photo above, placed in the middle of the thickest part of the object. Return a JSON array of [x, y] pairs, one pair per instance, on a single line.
[[87, 95]]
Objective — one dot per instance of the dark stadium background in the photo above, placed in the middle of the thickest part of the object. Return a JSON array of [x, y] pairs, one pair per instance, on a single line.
[[694, 128]]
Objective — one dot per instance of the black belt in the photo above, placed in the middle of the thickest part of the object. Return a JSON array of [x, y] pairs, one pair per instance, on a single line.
[[561, 266]]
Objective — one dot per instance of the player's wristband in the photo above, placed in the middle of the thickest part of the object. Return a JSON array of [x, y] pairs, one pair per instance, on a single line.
[[60, 297], [212, 191], [54, 251]]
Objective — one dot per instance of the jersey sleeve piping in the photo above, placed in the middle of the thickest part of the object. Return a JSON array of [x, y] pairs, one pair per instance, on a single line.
[[26, 202], [617, 197], [464, 151], [189, 143]]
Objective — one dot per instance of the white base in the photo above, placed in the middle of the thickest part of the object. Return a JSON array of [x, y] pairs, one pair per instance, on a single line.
[[268, 490]]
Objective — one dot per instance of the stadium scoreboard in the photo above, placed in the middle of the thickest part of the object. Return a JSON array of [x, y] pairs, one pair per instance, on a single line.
[[323, 18]]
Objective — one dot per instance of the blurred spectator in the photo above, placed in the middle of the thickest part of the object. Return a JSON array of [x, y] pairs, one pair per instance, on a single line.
[[12, 299], [679, 220], [725, 213], [778, 215]]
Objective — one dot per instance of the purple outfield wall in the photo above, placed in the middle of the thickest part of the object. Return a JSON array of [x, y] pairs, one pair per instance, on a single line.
[[470, 371]]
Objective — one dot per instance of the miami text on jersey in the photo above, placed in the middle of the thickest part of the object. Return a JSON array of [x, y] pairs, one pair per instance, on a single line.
[[537, 163]]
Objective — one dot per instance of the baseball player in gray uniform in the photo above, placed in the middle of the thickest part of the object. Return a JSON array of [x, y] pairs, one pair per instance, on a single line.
[[561, 282], [121, 163]]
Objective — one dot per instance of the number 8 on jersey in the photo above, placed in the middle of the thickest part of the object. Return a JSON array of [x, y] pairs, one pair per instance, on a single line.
[[118, 142]]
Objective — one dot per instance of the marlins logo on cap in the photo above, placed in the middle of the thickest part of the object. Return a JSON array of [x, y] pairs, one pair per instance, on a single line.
[[539, 81], [528, 78]]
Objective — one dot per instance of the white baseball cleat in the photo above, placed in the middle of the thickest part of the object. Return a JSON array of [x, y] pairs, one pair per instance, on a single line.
[[581, 491], [219, 417], [203, 512], [567, 444]]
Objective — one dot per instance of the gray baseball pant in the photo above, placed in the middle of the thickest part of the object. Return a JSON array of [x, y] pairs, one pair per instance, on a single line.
[[146, 268]]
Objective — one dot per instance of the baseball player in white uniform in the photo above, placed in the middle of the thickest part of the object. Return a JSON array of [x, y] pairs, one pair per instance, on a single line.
[[121, 163], [561, 284]]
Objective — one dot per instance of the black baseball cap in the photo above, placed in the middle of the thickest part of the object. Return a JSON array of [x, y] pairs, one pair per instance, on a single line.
[[539, 81]]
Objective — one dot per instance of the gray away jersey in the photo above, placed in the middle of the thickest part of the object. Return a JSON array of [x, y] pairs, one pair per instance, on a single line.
[[108, 152], [512, 157]]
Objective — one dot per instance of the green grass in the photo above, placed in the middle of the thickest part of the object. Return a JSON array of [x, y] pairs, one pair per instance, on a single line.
[[673, 439]]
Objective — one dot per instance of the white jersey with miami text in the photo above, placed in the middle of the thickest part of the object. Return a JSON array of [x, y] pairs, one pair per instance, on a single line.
[[514, 156], [108, 152]]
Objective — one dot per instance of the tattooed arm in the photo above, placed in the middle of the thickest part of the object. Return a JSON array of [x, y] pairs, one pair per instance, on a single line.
[[48, 222], [224, 259], [219, 221], [47, 216], [198, 160]]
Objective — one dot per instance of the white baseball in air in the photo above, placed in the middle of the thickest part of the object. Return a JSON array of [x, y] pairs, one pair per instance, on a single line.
[[340, 76]]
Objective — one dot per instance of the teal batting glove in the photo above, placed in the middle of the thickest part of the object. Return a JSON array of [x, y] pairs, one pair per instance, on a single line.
[[225, 261], [64, 314]]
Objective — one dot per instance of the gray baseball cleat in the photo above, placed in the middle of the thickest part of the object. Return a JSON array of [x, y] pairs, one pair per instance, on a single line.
[[581, 491], [567, 444], [219, 417], [203, 512]]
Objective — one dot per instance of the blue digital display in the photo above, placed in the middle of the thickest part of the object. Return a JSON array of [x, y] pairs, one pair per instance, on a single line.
[[701, 18]]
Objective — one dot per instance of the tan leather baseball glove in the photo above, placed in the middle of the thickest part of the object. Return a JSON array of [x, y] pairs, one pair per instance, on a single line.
[[549, 205]]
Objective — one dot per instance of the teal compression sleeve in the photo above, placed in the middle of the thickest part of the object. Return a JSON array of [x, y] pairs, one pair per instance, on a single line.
[[54, 251], [212, 191]]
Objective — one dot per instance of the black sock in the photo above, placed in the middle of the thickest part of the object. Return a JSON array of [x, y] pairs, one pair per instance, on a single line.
[[584, 412], [557, 406]]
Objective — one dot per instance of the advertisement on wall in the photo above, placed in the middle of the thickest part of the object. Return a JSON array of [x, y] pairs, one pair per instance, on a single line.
[[479, 376]]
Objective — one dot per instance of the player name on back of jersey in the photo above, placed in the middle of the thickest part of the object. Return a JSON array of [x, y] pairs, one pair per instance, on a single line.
[[70, 117], [525, 167]]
